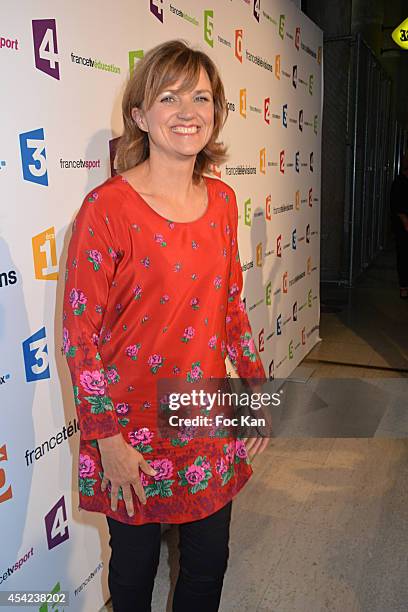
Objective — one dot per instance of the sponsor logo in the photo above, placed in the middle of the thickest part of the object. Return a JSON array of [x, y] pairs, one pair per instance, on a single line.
[[261, 341], [257, 9], [256, 59], [241, 169], [311, 84], [285, 282], [400, 34], [297, 154], [156, 8], [309, 265], [294, 311], [16, 566], [296, 278], [290, 349], [56, 524], [8, 278], [224, 41], [8, 43], [311, 162], [308, 50], [242, 102], [54, 591], [209, 27], [268, 207], [93, 63], [35, 351], [6, 492], [301, 120], [294, 240], [33, 157], [279, 246], [279, 325], [45, 447], [309, 298], [268, 294], [308, 233], [285, 115], [297, 200], [282, 161], [262, 161], [278, 66], [267, 117], [2, 164], [259, 254], [281, 28], [231, 106], [89, 578], [294, 76], [297, 38], [271, 370], [247, 212], [319, 55], [310, 197], [303, 333], [89, 164], [134, 56], [238, 45], [5, 378], [46, 47], [315, 124], [45, 255], [183, 15]]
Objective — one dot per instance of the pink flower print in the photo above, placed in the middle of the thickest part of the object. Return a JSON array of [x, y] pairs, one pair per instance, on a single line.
[[122, 408], [164, 299], [163, 467], [221, 466], [146, 405], [113, 254], [213, 224], [145, 318], [177, 266], [240, 449], [78, 301], [248, 346], [145, 261], [112, 375], [141, 436], [171, 225], [136, 227], [212, 343], [234, 289], [217, 282], [176, 370], [95, 339], [137, 292], [228, 319], [86, 466], [93, 382], [194, 276], [188, 334], [224, 252], [194, 474], [98, 309], [133, 350], [227, 229], [159, 238], [230, 452], [144, 479], [195, 373], [195, 303], [205, 464], [155, 362], [118, 307], [241, 305], [232, 352], [107, 338], [66, 343], [95, 257], [93, 197], [194, 244]]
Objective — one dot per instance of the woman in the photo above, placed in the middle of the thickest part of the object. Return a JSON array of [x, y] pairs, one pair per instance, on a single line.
[[153, 291]]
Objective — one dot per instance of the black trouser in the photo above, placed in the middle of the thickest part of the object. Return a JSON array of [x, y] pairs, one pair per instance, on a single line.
[[204, 552], [401, 241]]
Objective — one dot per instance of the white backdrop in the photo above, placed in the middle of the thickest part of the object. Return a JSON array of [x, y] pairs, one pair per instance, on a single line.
[[63, 73]]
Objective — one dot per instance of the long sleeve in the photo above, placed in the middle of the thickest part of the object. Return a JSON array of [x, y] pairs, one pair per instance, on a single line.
[[240, 344], [91, 263]]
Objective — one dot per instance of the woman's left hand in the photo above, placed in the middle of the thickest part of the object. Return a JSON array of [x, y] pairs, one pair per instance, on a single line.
[[255, 446]]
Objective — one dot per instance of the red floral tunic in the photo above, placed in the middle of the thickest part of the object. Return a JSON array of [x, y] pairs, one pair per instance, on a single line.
[[146, 298]]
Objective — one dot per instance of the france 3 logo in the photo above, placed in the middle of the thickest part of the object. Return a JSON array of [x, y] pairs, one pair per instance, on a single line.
[[46, 47], [33, 157], [6, 492], [35, 352]]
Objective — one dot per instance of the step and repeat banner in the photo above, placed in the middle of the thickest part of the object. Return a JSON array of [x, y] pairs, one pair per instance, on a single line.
[[63, 71]]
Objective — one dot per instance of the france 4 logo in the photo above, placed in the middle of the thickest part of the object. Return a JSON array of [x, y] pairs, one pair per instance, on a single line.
[[46, 47], [33, 157], [36, 361]]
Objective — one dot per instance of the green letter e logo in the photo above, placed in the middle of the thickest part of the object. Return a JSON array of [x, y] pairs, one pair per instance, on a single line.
[[208, 27]]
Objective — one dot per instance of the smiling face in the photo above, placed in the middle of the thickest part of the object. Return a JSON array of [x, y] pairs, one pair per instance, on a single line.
[[179, 123]]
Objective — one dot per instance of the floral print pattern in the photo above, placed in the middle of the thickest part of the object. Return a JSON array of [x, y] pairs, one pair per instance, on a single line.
[[148, 299]]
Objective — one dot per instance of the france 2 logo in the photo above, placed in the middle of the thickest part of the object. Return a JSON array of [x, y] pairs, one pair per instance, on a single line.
[[35, 353], [46, 47], [33, 157]]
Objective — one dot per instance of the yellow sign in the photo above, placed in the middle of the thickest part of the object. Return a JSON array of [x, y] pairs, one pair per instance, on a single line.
[[400, 34]]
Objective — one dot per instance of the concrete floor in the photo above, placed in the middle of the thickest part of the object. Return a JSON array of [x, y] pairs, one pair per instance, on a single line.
[[323, 523]]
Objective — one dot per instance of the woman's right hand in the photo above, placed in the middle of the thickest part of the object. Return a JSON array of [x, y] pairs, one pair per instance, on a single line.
[[121, 465]]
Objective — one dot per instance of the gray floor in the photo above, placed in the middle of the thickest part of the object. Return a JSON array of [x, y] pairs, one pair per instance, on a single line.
[[323, 523]]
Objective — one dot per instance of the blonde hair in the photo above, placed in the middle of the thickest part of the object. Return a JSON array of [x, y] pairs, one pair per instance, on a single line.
[[161, 67]]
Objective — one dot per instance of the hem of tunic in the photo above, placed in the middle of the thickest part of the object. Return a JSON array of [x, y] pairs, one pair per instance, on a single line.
[[133, 520]]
